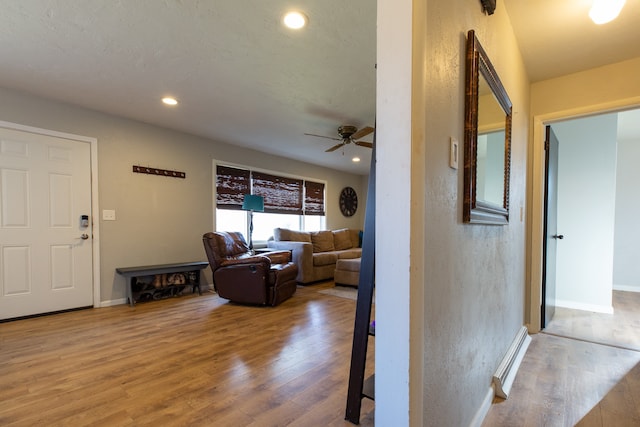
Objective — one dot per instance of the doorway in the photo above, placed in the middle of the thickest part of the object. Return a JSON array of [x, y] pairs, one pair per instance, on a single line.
[[597, 280], [48, 253]]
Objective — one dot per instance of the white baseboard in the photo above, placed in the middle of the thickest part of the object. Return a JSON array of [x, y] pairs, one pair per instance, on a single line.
[[607, 309], [508, 368], [113, 302], [483, 410], [626, 288]]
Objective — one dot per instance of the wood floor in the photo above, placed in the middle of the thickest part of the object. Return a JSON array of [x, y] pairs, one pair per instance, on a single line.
[[573, 380], [200, 361], [188, 361], [622, 328]]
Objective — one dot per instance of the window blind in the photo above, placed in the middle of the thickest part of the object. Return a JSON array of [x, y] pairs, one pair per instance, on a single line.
[[281, 195], [313, 198], [231, 186]]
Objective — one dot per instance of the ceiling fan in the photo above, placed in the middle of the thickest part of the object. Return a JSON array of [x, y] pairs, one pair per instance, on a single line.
[[348, 134]]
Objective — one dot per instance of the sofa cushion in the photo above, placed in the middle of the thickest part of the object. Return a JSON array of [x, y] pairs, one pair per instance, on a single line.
[[324, 258], [352, 264], [349, 253], [342, 239], [322, 241], [284, 234]]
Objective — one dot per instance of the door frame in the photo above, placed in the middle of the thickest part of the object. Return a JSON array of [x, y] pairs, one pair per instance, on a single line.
[[535, 209], [95, 220]]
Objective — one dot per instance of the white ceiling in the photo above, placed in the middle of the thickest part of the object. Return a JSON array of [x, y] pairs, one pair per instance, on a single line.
[[557, 37], [241, 77]]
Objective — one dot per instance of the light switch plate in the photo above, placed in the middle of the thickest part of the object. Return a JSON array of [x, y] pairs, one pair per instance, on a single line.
[[108, 215], [453, 153]]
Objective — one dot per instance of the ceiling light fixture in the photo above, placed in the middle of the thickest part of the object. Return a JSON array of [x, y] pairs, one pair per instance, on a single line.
[[604, 11], [295, 20], [169, 100], [355, 159]]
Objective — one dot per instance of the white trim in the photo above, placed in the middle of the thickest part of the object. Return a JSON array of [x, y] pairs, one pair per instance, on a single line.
[[111, 303], [626, 288], [508, 368], [607, 309], [95, 223], [483, 410]]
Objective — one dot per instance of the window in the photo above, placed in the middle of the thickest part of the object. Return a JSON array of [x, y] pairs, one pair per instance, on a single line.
[[313, 223], [292, 203], [232, 220]]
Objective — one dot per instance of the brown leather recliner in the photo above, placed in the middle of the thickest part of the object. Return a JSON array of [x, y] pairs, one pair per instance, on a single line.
[[242, 277]]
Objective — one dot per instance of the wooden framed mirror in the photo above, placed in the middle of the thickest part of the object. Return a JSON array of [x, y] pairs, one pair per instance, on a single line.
[[487, 140]]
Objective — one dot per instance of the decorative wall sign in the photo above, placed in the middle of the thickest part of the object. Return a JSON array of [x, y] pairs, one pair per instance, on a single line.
[[160, 172], [488, 6]]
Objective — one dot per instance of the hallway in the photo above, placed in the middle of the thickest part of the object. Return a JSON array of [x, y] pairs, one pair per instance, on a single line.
[[584, 370]]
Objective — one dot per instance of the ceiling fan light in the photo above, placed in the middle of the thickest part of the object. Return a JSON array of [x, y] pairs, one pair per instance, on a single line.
[[295, 20], [604, 11]]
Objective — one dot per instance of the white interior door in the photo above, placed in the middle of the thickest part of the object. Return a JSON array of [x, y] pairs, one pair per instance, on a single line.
[[45, 249]]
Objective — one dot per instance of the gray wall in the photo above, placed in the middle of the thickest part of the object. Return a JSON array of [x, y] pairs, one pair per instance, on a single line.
[[449, 296], [159, 220]]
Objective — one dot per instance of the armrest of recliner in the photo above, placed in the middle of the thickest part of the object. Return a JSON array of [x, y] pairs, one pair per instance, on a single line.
[[279, 257], [257, 259]]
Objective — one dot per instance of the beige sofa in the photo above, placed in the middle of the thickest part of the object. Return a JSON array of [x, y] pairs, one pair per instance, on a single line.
[[316, 253]]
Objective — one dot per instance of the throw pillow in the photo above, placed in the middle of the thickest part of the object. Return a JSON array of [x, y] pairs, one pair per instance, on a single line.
[[342, 239], [322, 241]]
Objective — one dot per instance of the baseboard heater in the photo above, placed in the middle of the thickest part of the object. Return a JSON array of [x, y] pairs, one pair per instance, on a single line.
[[506, 373]]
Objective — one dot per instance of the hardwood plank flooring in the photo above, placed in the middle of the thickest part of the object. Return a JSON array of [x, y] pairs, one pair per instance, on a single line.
[[583, 370], [193, 360], [567, 382], [622, 328]]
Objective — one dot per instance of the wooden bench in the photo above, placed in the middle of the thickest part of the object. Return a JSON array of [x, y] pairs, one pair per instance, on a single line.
[[132, 273]]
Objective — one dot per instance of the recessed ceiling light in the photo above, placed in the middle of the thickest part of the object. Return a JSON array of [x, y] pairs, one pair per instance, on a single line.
[[169, 100], [295, 20], [355, 159]]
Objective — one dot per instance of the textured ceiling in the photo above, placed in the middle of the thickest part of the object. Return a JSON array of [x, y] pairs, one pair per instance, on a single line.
[[244, 79], [240, 76]]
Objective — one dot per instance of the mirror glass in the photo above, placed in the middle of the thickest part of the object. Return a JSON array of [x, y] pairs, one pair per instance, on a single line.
[[490, 149], [487, 140]]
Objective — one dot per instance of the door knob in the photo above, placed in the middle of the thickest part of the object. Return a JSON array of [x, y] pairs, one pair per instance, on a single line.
[[558, 236], [85, 236]]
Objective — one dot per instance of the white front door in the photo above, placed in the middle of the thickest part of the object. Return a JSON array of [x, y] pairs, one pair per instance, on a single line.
[[45, 249]]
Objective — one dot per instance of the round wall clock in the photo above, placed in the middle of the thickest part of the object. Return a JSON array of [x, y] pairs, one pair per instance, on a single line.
[[348, 201]]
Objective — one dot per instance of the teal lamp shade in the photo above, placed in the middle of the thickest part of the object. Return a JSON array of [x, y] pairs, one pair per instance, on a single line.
[[253, 203]]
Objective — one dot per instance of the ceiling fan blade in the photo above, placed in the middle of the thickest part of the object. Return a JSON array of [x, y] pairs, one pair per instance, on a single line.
[[322, 136], [334, 148], [363, 144], [362, 132]]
